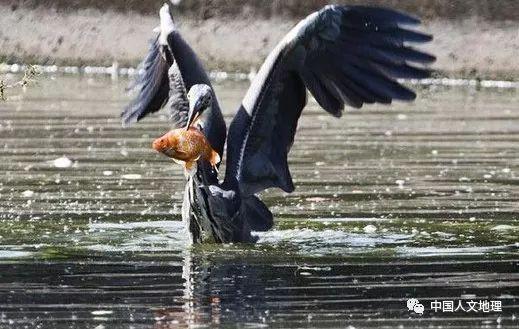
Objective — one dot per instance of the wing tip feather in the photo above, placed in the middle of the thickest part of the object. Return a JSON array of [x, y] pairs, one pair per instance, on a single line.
[[383, 14]]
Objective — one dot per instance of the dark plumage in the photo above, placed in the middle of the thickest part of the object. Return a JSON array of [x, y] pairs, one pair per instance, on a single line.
[[151, 85], [342, 54]]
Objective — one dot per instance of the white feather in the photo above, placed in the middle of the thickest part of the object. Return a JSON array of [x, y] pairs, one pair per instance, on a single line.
[[166, 24]]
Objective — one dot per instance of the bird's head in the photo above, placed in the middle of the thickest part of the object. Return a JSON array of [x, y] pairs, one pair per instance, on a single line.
[[200, 98]]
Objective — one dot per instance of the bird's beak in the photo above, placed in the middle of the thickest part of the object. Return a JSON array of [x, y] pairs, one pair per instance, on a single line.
[[195, 110]]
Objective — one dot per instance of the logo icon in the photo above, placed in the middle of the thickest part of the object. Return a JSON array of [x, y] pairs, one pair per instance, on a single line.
[[414, 305]]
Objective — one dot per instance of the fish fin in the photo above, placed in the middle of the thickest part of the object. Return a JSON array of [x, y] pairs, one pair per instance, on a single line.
[[190, 168], [214, 159]]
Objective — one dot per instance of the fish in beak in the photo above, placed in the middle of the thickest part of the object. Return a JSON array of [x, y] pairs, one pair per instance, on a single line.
[[186, 146]]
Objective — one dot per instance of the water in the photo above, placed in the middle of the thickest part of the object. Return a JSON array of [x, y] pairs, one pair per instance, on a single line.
[[414, 200]]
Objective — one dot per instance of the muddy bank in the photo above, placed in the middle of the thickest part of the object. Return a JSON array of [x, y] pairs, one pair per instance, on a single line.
[[468, 47]]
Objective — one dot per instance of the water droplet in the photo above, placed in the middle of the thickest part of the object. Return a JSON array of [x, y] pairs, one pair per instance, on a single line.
[[132, 176], [27, 193], [62, 162], [370, 228]]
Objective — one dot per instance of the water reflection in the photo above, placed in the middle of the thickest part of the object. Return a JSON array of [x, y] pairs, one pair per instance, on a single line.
[[217, 292], [254, 285], [305, 292]]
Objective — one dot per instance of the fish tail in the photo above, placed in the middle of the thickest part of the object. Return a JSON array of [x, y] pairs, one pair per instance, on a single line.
[[214, 158]]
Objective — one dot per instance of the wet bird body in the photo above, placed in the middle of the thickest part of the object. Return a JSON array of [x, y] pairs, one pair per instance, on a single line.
[[342, 55]]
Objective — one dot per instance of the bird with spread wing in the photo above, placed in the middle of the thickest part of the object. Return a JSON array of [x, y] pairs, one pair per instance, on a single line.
[[343, 55]]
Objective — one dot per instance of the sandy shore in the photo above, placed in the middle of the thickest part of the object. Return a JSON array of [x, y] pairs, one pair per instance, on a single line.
[[469, 47]]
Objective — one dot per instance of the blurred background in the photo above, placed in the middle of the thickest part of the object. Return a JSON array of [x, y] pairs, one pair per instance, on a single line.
[[474, 38], [203, 9]]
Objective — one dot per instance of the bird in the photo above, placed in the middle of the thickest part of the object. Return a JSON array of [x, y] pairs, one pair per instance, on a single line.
[[341, 55]]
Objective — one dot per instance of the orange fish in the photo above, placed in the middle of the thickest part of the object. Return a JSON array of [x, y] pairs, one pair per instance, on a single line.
[[186, 147]]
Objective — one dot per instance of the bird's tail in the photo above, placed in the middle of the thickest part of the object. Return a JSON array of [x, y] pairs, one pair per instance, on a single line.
[[256, 213]]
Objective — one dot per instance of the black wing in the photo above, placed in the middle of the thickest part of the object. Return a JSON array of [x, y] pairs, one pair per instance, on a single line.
[[343, 55], [151, 86], [158, 82]]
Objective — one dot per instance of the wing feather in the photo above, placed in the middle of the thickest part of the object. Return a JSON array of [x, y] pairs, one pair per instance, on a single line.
[[158, 84], [178, 103], [343, 55], [150, 87]]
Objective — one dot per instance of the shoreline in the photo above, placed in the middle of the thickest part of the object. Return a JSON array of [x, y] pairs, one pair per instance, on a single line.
[[469, 48], [115, 72]]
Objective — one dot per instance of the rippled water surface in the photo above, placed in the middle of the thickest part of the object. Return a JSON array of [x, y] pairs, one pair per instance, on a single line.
[[410, 201]]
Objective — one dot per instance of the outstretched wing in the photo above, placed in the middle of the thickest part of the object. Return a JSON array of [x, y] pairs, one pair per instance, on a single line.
[[158, 82], [343, 55], [150, 87]]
